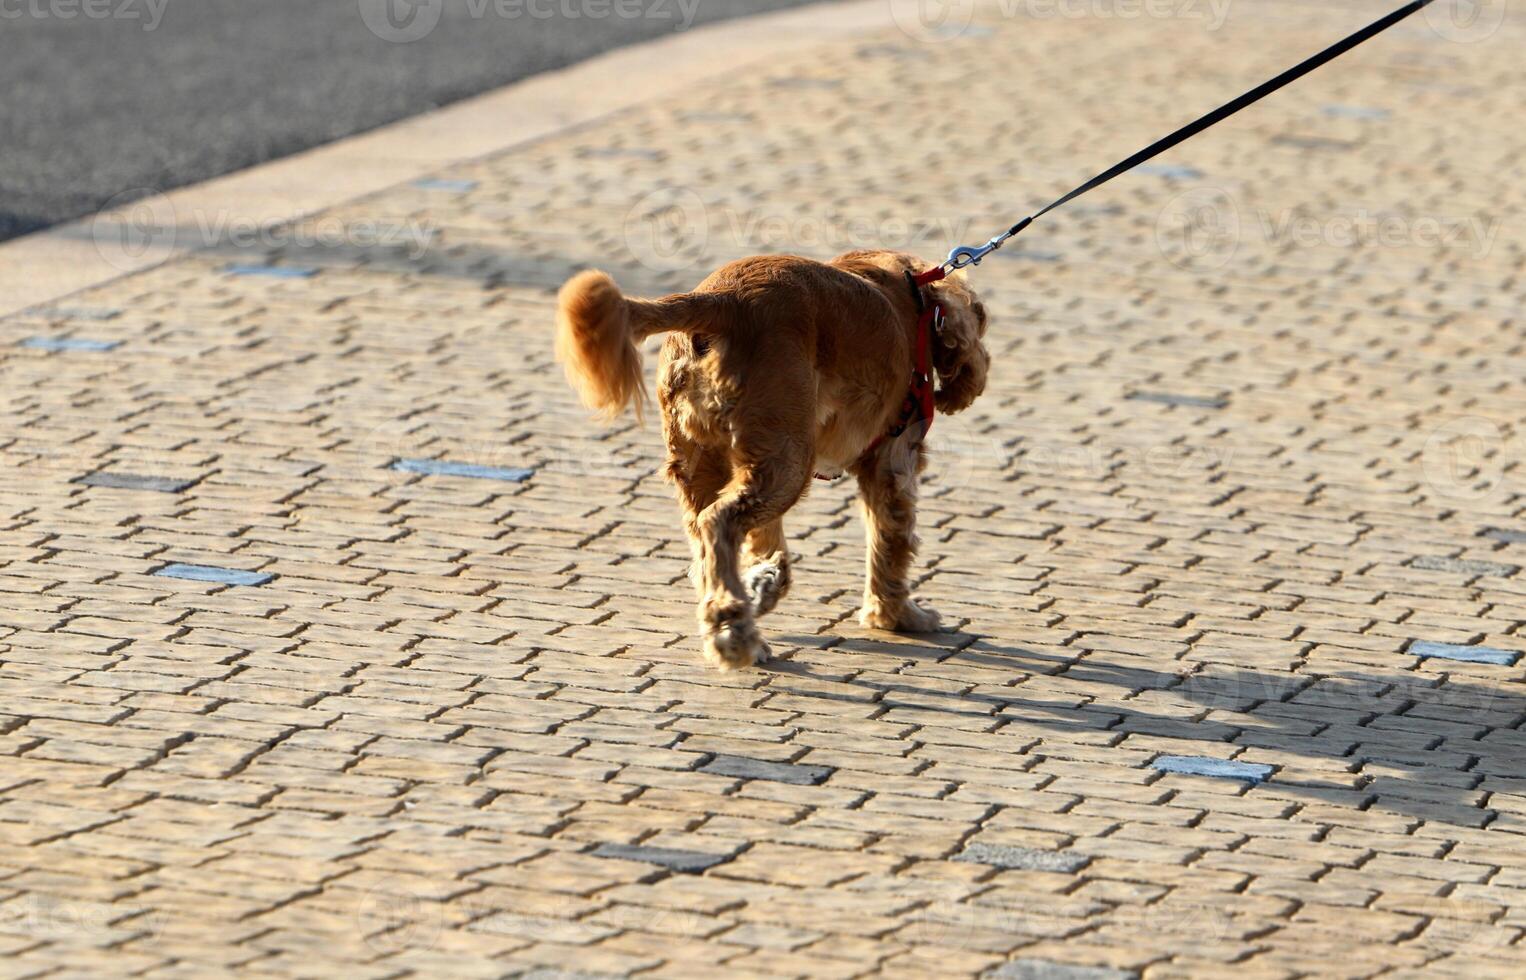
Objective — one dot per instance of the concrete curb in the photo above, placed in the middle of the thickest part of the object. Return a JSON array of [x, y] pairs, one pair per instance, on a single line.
[[53, 263]]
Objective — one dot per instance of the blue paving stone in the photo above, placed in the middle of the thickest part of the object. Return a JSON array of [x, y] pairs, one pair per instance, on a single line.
[[742, 767], [1354, 112], [1463, 566], [676, 859], [132, 481], [1166, 398], [69, 343], [1171, 170], [1503, 534], [1050, 970], [1466, 654], [1022, 858], [445, 184], [211, 573], [273, 271], [444, 467], [1197, 765]]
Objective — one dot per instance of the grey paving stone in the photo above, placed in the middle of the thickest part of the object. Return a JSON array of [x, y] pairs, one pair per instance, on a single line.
[[1466, 654], [624, 152], [1354, 112], [69, 343], [1194, 765], [211, 573], [779, 772], [1503, 534], [445, 184], [1049, 970], [1312, 142], [272, 271], [1022, 858], [1029, 255], [1174, 171], [1463, 566], [687, 862], [81, 313], [1190, 401], [799, 82], [134, 481], [444, 467]]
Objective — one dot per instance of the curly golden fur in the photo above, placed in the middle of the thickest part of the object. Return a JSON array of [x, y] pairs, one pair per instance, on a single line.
[[776, 368]]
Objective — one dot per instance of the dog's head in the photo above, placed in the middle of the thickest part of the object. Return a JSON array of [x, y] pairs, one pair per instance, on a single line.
[[960, 360], [959, 356]]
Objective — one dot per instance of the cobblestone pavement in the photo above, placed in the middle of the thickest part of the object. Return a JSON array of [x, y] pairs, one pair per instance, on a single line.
[[1231, 546]]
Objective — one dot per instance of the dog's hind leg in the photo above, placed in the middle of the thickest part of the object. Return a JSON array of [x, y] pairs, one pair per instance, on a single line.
[[888, 484], [700, 475], [757, 496], [768, 579]]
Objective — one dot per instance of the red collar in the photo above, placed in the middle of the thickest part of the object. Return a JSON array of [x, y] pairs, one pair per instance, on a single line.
[[917, 406]]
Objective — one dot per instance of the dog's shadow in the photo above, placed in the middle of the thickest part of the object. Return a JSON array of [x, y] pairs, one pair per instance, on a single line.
[[1425, 746]]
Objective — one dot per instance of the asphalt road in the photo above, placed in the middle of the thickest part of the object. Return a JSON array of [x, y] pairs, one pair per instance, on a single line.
[[102, 97]]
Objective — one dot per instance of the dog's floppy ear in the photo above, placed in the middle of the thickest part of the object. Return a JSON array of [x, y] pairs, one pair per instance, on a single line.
[[959, 357]]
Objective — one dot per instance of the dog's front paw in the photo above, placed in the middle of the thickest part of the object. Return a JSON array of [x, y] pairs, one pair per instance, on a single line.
[[903, 617], [765, 583], [732, 641]]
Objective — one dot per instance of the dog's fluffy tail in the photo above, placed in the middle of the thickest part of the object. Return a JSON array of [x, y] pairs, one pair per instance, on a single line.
[[597, 330]]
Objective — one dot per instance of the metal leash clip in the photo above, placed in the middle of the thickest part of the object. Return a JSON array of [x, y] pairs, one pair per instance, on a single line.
[[966, 255]]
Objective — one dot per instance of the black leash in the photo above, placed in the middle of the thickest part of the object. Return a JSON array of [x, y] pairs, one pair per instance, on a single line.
[[966, 255]]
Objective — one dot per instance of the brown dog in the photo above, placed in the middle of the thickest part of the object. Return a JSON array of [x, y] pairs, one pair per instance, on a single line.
[[776, 368]]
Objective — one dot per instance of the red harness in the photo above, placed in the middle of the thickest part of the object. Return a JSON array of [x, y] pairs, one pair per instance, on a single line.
[[917, 406]]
